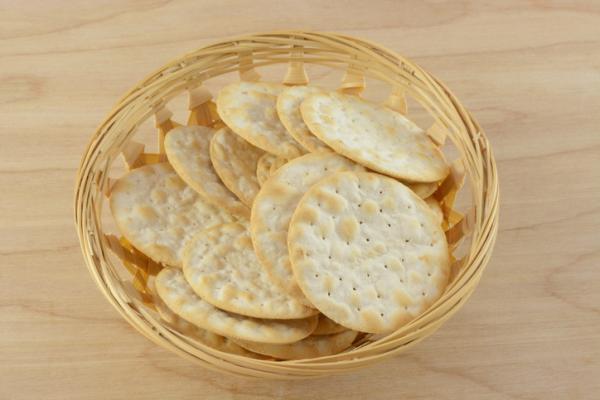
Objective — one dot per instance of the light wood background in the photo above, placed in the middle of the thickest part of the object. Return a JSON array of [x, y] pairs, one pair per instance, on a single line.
[[529, 71]]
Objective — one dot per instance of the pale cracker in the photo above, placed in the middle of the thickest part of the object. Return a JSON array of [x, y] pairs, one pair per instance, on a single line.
[[374, 136], [434, 205], [187, 148], [311, 347], [235, 161], [288, 109], [327, 327], [203, 336], [178, 295], [222, 268], [248, 108], [157, 212], [367, 251], [273, 208]]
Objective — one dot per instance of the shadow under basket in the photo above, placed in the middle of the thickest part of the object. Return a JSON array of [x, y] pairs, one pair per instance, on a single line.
[[128, 138]]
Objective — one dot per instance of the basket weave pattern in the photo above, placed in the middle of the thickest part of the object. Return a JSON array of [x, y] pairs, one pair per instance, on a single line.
[[356, 59]]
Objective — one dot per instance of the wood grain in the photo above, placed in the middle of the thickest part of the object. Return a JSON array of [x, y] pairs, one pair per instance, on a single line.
[[529, 71]]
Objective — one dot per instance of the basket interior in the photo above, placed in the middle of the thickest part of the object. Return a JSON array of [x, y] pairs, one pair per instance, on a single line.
[[177, 94]]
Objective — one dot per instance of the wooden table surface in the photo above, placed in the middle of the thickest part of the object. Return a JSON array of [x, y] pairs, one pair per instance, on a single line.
[[529, 71]]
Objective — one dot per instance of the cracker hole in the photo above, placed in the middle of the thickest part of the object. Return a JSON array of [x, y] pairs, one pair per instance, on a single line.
[[316, 275], [357, 308], [406, 307], [380, 210], [422, 293], [340, 278], [354, 289], [329, 294], [378, 296], [389, 225], [360, 205], [368, 240], [381, 192], [406, 240], [348, 243], [429, 274], [385, 266], [360, 222], [431, 244], [329, 257], [381, 314], [422, 226]]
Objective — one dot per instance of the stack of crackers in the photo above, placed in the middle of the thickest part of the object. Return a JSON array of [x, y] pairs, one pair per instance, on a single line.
[[303, 221]]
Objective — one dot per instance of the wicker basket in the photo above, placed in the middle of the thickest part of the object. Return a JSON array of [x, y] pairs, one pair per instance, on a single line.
[[122, 273]]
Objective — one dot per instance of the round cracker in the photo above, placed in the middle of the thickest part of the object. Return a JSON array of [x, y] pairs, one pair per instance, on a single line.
[[248, 108], [288, 109], [375, 136], [311, 347], [178, 295], [327, 327], [205, 337], [222, 268], [273, 208], [367, 251], [157, 212], [235, 161], [187, 148]]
